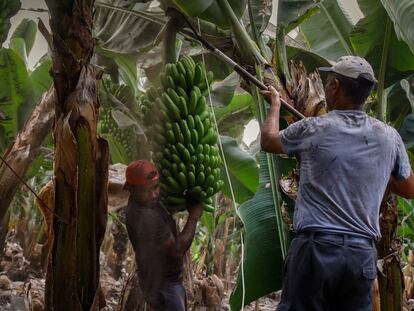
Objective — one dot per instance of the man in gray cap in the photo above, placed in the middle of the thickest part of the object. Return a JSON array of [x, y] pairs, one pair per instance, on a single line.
[[347, 161]]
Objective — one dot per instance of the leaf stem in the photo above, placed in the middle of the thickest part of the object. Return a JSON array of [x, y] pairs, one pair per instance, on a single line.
[[382, 102], [248, 50]]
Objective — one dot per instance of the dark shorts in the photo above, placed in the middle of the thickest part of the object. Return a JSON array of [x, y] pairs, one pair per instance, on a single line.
[[325, 272], [171, 297]]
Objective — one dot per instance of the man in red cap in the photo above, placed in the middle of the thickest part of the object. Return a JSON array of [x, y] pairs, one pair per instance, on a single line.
[[159, 249]]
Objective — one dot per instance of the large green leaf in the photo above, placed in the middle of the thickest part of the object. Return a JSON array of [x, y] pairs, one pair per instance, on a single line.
[[222, 91], [263, 260], [293, 12], [260, 12], [41, 78], [311, 60], [373, 37], [210, 11], [19, 46], [401, 13], [327, 32], [407, 132], [127, 67], [243, 171], [26, 30], [9, 9], [16, 92], [126, 28], [239, 103]]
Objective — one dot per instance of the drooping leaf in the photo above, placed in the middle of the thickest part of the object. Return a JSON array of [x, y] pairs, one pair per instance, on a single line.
[[327, 32], [9, 9], [210, 10], [401, 13], [260, 10], [222, 91], [263, 258], [239, 102], [291, 13], [127, 67], [117, 151], [407, 131], [19, 46], [243, 171], [26, 30], [126, 28], [374, 38], [311, 60], [409, 91], [233, 118], [16, 92], [41, 79]]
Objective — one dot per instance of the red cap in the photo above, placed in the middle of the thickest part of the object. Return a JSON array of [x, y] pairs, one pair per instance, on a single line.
[[141, 172]]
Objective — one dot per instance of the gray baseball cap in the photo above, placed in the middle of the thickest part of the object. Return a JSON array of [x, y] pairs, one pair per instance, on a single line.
[[352, 67]]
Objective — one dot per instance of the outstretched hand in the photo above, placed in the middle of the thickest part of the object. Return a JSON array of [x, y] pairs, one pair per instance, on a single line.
[[271, 95]]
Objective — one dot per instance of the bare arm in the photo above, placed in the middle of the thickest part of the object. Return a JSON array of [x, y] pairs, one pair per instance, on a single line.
[[403, 188], [178, 246], [270, 136]]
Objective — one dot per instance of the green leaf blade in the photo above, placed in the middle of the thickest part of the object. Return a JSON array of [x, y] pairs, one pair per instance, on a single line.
[[327, 32]]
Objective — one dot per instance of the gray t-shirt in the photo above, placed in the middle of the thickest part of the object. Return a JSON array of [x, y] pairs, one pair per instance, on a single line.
[[346, 159]]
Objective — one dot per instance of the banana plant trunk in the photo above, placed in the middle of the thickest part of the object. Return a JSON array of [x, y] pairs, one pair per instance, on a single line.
[[391, 279], [80, 165]]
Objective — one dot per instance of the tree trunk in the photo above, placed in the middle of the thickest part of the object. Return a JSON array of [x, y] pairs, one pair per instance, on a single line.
[[80, 165], [391, 279], [22, 153]]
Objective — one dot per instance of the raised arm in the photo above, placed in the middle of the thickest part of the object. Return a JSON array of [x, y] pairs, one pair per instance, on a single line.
[[270, 136], [178, 246]]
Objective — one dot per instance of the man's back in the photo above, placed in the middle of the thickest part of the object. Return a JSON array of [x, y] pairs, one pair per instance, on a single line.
[[148, 229], [346, 160]]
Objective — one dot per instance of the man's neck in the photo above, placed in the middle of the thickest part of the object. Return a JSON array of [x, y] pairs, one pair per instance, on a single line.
[[346, 105]]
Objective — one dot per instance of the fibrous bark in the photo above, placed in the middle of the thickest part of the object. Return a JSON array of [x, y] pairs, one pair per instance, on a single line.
[[80, 165]]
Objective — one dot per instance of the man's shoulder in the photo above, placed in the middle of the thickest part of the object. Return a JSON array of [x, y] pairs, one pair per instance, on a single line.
[[382, 129]]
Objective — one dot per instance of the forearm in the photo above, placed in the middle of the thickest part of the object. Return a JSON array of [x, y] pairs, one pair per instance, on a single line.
[[270, 125], [185, 238], [270, 137]]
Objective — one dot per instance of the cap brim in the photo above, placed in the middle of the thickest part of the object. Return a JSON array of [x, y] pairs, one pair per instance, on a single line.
[[325, 69]]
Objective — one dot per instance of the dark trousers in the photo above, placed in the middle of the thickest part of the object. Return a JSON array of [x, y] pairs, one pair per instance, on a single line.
[[171, 297], [329, 272]]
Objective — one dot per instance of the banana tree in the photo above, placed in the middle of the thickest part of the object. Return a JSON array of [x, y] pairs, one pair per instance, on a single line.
[[81, 162]]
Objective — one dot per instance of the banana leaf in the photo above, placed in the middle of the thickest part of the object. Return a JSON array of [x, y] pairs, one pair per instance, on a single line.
[[401, 13], [27, 30], [374, 39], [263, 260], [260, 11], [291, 13], [41, 79], [210, 11], [327, 32], [126, 28], [16, 92], [243, 171], [127, 67]]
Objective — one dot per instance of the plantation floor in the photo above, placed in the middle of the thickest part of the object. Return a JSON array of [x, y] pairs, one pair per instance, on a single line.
[[22, 284]]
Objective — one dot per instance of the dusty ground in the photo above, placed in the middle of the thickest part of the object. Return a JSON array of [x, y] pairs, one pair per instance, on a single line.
[[22, 284]]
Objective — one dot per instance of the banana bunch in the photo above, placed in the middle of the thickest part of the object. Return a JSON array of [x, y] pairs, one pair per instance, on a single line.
[[8, 8], [107, 125], [182, 135]]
